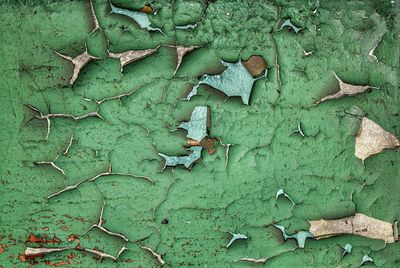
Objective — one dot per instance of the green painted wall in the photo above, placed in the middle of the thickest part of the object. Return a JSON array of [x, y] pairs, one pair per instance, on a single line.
[[186, 216]]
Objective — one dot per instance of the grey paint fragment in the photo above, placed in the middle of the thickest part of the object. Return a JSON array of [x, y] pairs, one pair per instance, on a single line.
[[197, 126], [187, 160], [236, 237], [299, 236], [140, 18], [235, 80]]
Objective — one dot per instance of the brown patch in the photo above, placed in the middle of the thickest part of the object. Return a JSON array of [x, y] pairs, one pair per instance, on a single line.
[[255, 65], [73, 237]]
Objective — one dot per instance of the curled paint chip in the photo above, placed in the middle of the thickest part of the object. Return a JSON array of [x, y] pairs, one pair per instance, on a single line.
[[373, 139], [197, 126], [79, 62], [288, 23], [366, 259], [359, 224], [180, 53], [282, 192], [235, 237], [139, 17], [187, 160], [346, 249], [130, 56], [345, 90], [300, 236], [235, 80]]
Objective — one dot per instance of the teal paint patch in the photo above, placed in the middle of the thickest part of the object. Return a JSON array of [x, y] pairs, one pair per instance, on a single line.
[[197, 126], [300, 236], [140, 18], [288, 23], [235, 80], [187, 160]]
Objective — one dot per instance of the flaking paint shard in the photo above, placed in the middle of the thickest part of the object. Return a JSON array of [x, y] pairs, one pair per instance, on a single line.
[[288, 23], [186, 160], [345, 90], [300, 236], [359, 224], [235, 80], [346, 249], [180, 53], [236, 237], [281, 192], [79, 62], [373, 139], [365, 259], [130, 56], [197, 126], [141, 18]]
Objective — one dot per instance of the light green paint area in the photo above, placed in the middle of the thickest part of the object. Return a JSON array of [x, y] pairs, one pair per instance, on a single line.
[[187, 216]]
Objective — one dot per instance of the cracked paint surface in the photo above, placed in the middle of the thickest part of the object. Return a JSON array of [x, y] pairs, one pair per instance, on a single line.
[[181, 218]]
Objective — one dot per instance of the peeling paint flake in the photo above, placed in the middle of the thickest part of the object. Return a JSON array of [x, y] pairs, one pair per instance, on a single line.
[[300, 236], [288, 23], [187, 160], [79, 62], [130, 56], [345, 90], [373, 139], [359, 224], [346, 249], [281, 192], [236, 237], [197, 126], [180, 53], [141, 18], [235, 80]]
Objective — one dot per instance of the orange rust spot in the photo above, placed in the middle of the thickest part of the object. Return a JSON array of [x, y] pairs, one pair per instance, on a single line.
[[43, 239], [193, 142], [57, 264], [22, 258], [73, 237], [71, 256], [146, 9], [211, 151], [34, 239]]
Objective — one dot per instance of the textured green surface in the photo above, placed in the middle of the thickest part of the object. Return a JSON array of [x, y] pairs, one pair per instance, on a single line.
[[320, 171]]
